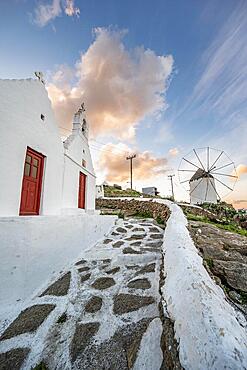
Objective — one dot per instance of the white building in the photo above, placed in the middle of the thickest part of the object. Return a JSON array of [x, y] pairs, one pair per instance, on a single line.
[[202, 188], [49, 182], [100, 191], [151, 190], [79, 177], [39, 175]]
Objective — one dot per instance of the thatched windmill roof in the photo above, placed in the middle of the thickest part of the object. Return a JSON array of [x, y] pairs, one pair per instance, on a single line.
[[200, 174]]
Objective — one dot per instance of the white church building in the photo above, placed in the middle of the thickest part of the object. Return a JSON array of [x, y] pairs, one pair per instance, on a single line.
[[40, 175], [47, 193]]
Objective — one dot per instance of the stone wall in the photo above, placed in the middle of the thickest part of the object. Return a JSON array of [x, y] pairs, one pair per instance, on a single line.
[[132, 207]]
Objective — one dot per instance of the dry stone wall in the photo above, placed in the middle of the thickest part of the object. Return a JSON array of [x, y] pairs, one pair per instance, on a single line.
[[159, 212]]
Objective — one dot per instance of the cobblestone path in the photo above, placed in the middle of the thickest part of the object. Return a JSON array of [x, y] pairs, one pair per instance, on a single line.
[[103, 313]]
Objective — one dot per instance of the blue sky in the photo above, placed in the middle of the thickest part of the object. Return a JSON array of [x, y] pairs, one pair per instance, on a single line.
[[205, 97]]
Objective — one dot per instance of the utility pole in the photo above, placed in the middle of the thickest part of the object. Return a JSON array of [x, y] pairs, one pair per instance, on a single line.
[[131, 157], [171, 176]]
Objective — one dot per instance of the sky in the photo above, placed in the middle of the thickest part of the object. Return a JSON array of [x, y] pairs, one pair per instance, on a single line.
[[158, 79]]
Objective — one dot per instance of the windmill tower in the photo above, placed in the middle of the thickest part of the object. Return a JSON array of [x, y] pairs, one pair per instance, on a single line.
[[202, 183], [209, 175]]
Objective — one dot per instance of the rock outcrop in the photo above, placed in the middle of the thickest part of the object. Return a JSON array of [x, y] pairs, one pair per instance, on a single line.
[[225, 257]]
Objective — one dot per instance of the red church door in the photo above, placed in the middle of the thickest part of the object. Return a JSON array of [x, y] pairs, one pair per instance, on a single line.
[[82, 191], [31, 183]]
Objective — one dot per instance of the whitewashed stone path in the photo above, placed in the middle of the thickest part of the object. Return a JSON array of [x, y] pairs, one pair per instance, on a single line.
[[103, 313]]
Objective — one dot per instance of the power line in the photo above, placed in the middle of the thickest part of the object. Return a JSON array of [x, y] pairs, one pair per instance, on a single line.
[[94, 147], [98, 142], [106, 151], [113, 150], [66, 129]]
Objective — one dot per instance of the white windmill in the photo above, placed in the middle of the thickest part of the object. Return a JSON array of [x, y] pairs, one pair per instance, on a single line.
[[208, 174]]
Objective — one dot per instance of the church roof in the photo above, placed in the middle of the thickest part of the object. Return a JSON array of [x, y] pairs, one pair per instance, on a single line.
[[199, 174]]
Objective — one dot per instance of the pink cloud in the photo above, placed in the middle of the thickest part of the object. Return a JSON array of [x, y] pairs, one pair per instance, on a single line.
[[119, 87], [145, 166]]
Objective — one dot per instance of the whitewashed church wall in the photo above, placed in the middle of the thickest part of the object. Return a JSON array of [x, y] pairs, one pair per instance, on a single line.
[[76, 151], [71, 185], [21, 104], [91, 193]]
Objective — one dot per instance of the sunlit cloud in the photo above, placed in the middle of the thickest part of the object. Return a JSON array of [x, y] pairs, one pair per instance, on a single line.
[[174, 152], [238, 204], [145, 166], [119, 87], [70, 8], [241, 170], [46, 12]]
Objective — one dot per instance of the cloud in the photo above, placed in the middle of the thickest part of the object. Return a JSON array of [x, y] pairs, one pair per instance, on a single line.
[[145, 166], [240, 201], [222, 86], [46, 12], [70, 8], [226, 73], [241, 169], [165, 134], [119, 87], [174, 152], [223, 83], [238, 204]]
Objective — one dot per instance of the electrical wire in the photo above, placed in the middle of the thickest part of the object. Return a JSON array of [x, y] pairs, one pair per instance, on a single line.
[[98, 142], [63, 128], [111, 151], [106, 151]]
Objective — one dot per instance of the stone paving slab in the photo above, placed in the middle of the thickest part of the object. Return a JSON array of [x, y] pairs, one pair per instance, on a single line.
[[107, 241], [83, 269], [103, 283], [113, 271], [156, 236], [85, 277], [118, 244], [94, 304], [146, 269], [13, 359], [60, 287], [81, 262], [121, 230], [124, 303], [136, 237], [136, 244], [28, 321], [139, 284], [82, 337], [117, 353], [129, 250]]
